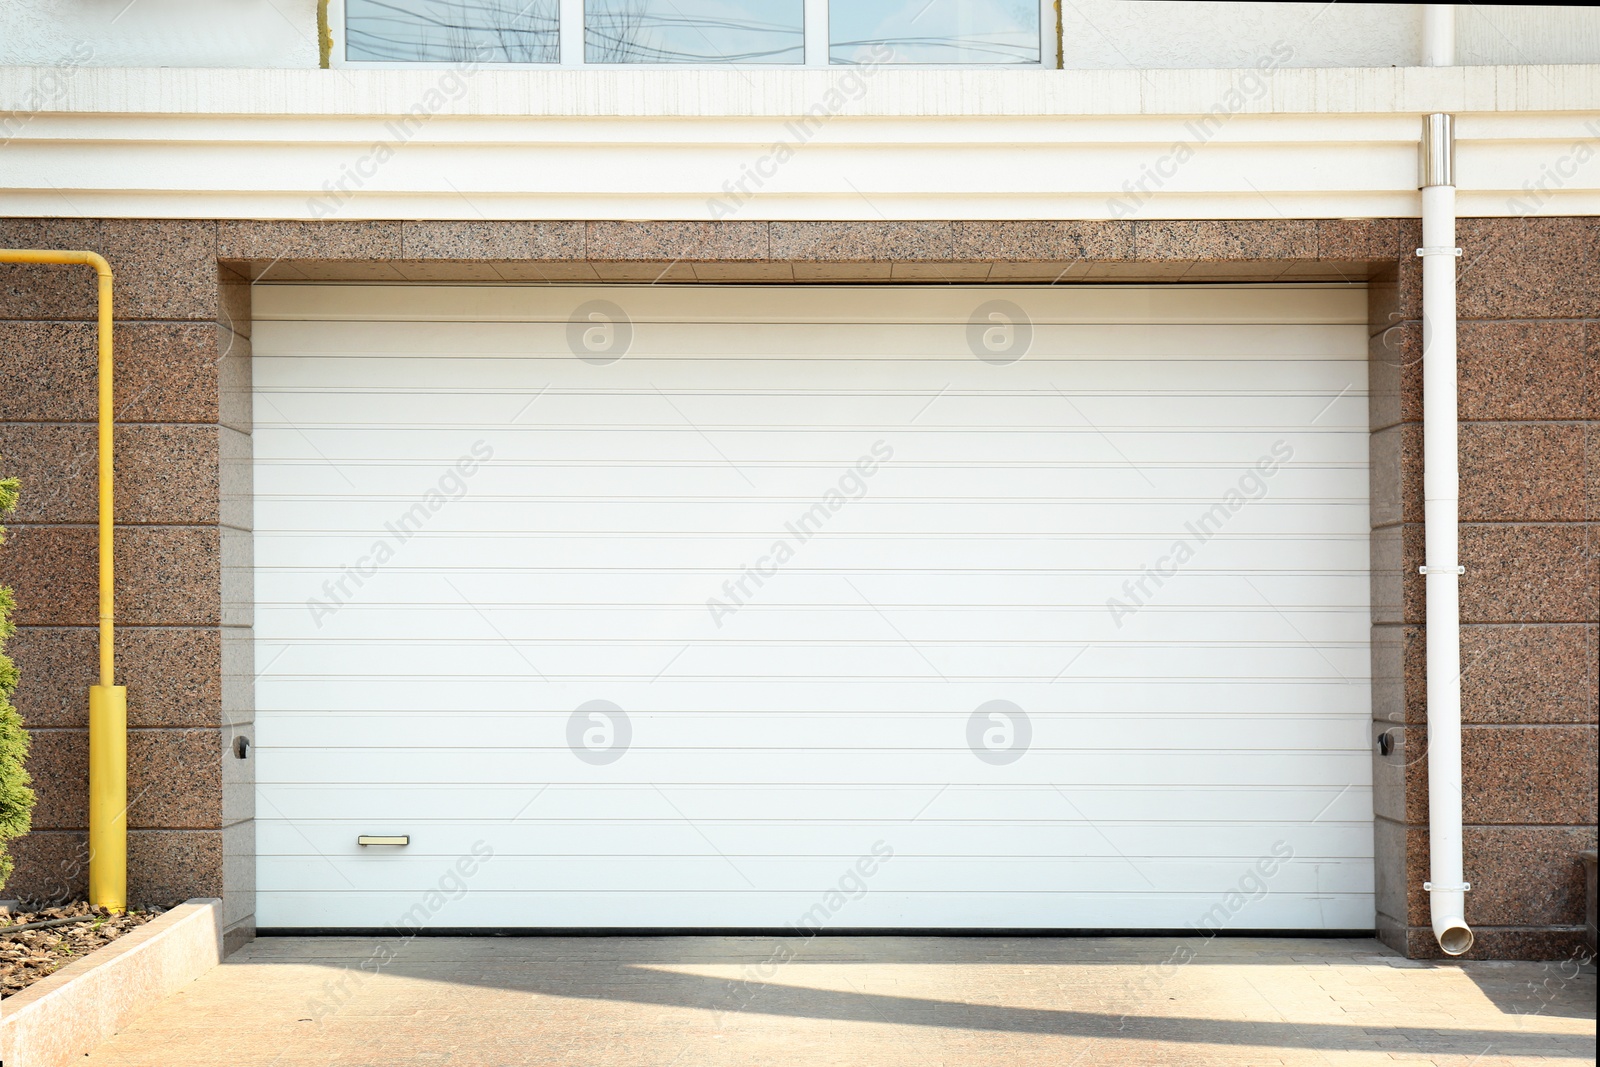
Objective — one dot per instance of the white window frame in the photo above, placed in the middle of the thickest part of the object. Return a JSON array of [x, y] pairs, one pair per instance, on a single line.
[[571, 48]]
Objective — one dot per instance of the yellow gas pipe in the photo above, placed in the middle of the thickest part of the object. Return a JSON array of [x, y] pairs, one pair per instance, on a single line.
[[108, 702]]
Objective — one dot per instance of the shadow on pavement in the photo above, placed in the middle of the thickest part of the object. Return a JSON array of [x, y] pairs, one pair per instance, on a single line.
[[642, 971]]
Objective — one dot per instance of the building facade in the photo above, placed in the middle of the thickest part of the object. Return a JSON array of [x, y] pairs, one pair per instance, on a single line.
[[948, 475]]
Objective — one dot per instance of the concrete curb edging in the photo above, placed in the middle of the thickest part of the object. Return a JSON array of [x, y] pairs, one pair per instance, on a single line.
[[59, 1019]]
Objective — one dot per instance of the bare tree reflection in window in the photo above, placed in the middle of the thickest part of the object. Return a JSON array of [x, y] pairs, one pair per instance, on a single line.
[[617, 33], [453, 31], [694, 31]]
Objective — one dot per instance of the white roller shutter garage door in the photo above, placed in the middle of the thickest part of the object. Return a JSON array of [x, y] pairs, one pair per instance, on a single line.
[[873, 608]]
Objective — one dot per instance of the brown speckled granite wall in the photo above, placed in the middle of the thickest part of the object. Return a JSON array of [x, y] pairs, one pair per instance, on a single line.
[[182, 509], [1529, 357], [1530, 372]]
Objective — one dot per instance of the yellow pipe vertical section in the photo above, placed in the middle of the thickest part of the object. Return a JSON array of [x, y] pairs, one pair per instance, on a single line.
[[108, 702]]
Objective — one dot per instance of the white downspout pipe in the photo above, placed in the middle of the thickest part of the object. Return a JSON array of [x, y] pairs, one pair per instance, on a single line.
[[1447, 886], [1438, 35]]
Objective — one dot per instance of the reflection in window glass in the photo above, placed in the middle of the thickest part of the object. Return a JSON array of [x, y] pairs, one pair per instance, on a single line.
[[694, 31], [933, 31], [452, 31]]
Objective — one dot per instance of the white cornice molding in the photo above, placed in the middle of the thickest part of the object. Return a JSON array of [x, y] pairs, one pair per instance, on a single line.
[[782, 93]]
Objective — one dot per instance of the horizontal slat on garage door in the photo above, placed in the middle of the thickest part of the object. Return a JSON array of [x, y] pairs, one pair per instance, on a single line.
[[442, 899], [1254, 624], [534, 834], [1132, 306], [311, 693], [905, 873], [531, 553], [427, 626], [1132, 449], [487, 654], [1195, 810], [797, 731]]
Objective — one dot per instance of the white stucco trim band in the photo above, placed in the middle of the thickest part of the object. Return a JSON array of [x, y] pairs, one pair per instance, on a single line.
[[793, 144], [891, 93]]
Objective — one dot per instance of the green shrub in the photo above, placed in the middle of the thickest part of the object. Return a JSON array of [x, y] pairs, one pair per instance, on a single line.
[[16, 799]]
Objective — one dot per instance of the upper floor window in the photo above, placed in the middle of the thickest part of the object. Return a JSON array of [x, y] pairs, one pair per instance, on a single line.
[[576, 33], [694, 31], [452, 31], [965, 32]]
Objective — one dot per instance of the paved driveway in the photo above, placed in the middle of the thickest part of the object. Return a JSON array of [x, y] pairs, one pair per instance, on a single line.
[[696, 1001]]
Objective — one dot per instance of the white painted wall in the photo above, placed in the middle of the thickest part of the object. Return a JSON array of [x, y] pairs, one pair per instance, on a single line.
[[159, 33], [1112, 34], [1527, 34], [1096, 34]]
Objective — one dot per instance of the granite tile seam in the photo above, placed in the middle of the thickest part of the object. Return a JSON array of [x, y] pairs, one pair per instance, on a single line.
[[89, 627], [170, 829], [140, 423], [1576, 424], [88, 325], [1562, 523], [1526, 726], [1525, 320], [1590, 623], [132, 728], [1514, 825], [1552, 928], [1524, 522]]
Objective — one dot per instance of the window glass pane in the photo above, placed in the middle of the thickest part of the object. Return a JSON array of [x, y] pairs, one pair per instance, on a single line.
[[694, 31], [933, 31], [452, 31]]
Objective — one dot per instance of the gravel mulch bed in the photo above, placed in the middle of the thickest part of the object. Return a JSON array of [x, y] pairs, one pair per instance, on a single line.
[[29, 955]]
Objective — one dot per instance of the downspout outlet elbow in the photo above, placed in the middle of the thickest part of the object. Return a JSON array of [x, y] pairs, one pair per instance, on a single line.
[[1454, 936], [1450, 928]]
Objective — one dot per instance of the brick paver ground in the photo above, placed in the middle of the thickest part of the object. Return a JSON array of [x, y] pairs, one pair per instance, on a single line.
[[697, 1001]]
